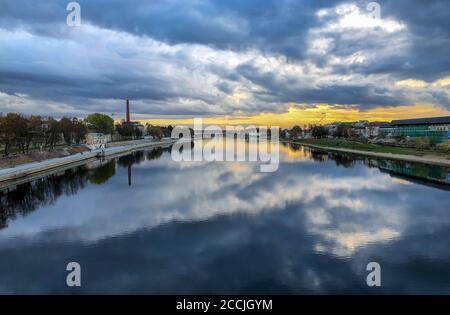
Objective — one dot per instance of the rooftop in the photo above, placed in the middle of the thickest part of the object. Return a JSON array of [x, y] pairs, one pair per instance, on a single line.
[[422, 121]]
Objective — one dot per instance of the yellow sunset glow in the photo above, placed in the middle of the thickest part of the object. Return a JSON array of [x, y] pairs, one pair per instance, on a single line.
[[442, 82], [419, 84], [412, 83], [321, 114]]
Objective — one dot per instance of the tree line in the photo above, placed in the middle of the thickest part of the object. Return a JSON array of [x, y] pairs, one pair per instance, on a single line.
[[24, 133], [20, 133], [295, 132]]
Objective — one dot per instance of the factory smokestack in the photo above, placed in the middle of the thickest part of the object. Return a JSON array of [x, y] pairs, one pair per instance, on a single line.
[[128, 111]]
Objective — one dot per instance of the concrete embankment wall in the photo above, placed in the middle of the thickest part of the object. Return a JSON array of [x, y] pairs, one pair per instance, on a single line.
[[135, 142], [30, 169]]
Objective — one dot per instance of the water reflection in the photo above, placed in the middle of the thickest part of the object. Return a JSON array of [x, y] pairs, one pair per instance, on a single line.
[[225, 227], [25, 198], [421, 173], [101, 173], [30, 196]]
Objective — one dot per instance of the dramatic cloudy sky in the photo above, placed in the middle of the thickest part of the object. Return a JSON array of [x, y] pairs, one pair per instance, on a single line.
[[234, 58]]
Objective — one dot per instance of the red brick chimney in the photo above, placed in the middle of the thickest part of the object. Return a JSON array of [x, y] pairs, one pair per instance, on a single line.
[[128, 111]]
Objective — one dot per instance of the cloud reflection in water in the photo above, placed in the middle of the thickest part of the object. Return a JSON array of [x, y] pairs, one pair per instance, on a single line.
[[226, 228]]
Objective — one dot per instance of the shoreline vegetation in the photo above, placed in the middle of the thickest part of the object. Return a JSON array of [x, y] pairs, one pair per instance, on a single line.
[[28, 139], [426, 156], [48, 165]]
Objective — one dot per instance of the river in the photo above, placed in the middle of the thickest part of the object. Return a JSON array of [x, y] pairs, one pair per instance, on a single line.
[[143, 223]]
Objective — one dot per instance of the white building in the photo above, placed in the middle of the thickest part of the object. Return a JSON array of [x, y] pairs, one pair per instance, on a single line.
[[96, 140]]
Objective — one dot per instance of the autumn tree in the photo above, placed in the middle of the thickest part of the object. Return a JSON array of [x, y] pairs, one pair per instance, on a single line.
[[319, 132], [343, 131], [35, 132], [13, 132], [79, 130], [125, 130], [52, 133], [4, 139], [73, 130], [296, 132], [66, 127]]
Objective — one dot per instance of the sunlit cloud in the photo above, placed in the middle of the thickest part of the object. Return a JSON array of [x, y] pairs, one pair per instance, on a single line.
[[412, 83], [442, 82], [352, 16]]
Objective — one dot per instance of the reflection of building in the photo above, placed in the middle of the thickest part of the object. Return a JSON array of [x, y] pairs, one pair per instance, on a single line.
[[129, 173], [331, 128], [253, 134], [415, 170], [437, 129]]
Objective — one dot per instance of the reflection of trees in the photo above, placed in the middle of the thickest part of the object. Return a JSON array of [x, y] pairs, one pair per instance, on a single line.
[[285, 144], [295, 146], [416, 170], [136, 158], [45, 191], [30, 196], [319, 156], [343, 160], [139, 157], [123, 161], [132, 158], [101, 174], [154, 154]]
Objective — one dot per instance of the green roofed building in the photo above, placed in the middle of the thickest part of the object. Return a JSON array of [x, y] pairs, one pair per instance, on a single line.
[[437, 129]]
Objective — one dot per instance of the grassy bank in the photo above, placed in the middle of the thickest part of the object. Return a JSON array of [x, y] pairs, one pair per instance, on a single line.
[[369, 147]]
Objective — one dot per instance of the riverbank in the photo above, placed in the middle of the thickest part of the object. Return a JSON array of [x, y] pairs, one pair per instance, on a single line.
[[379, 151], [14, 160], [34, 168]]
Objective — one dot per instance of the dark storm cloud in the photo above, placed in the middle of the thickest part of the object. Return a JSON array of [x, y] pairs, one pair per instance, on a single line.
[[272, 25], [365, 95], [429, 24], [89, 68]]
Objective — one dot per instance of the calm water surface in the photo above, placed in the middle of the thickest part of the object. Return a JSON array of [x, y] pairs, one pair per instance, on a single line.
[[145, 224]]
